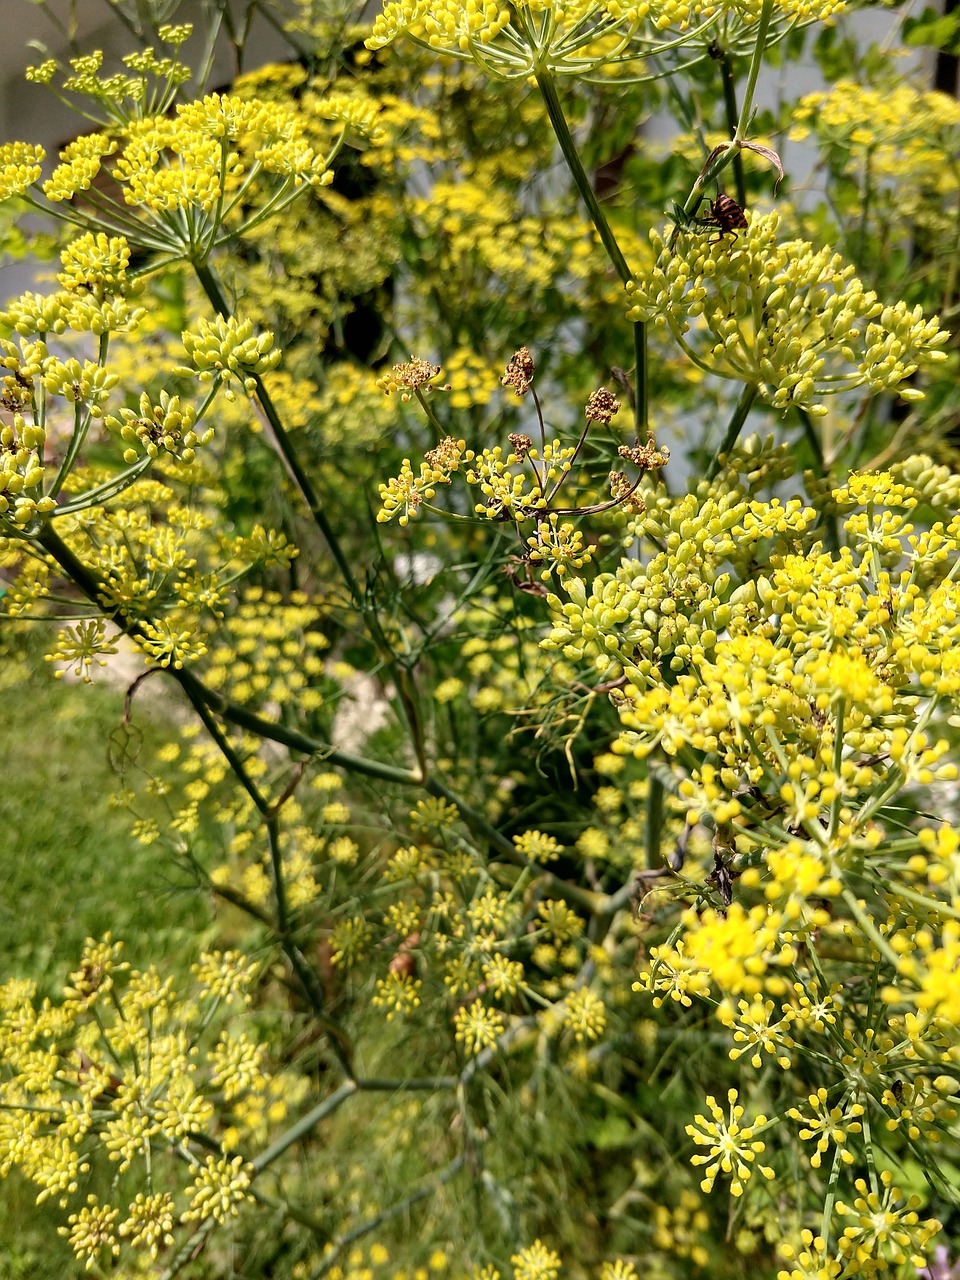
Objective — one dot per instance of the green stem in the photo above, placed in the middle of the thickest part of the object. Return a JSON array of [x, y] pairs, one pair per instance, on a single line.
[[831, 1195], [227, 751], [211, 287], [312, 990], [894, 781], [103, 492], [812, 439], [735, 426], [865, 210], [309, 983], [730, 110], [551, 98], [838, 800], [756, 61], [87, 582], [294, 740], [336, 1247], [870, 929], [192, 1246], [831, 534], [654, 821], [933, 905], [402, 677], [548, 88], [869, 1153], [231, 895], [418, 1084], [953, 261], [585, 899], [304, 1125], [641, 406]]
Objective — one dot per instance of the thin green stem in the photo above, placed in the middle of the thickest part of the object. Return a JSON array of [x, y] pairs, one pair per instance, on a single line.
[[227, 751], [342, 1242], [232, 896], [933, 905], [211, 287], [653, 826], [735, 426], [309, 983], [641, 404], [838, 800], [894, 781], [279, 883], [418, 1084], [585, 899], [192, 1246], [548, 88], [870, 929], [756, 62], [812, 439], [869, 1153], [104, 492], [730, 110], [402, 676], [80, 430], [87, 582], [953, 260], [304, 1125], [831, 1195]]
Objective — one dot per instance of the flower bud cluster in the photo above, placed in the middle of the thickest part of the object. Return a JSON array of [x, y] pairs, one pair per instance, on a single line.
[[188, 164], [80, 384], [403, 495], [731, 1148], [96, 264], [165, 427], [170, 646], [81, 649], [658, 616], [509, 487], [356, 112], [21, 164], [21, 474], [415, 374], [559, 545], [55, 313], [932, 483], [767, 681], [93, 297], [885, 122], [549, 33], [80, 163], [227, 350], [111, 1073], [760, 463], [816, 330]]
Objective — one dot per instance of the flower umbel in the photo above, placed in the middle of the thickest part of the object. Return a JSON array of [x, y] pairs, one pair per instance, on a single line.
[[839, 338], [733, 1149], [886, 1229]]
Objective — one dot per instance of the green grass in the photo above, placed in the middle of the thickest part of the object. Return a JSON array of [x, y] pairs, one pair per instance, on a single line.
[[71, 870], [70, 866]]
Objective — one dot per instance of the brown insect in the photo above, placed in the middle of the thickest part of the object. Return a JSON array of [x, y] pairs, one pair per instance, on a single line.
[[725, 215]]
